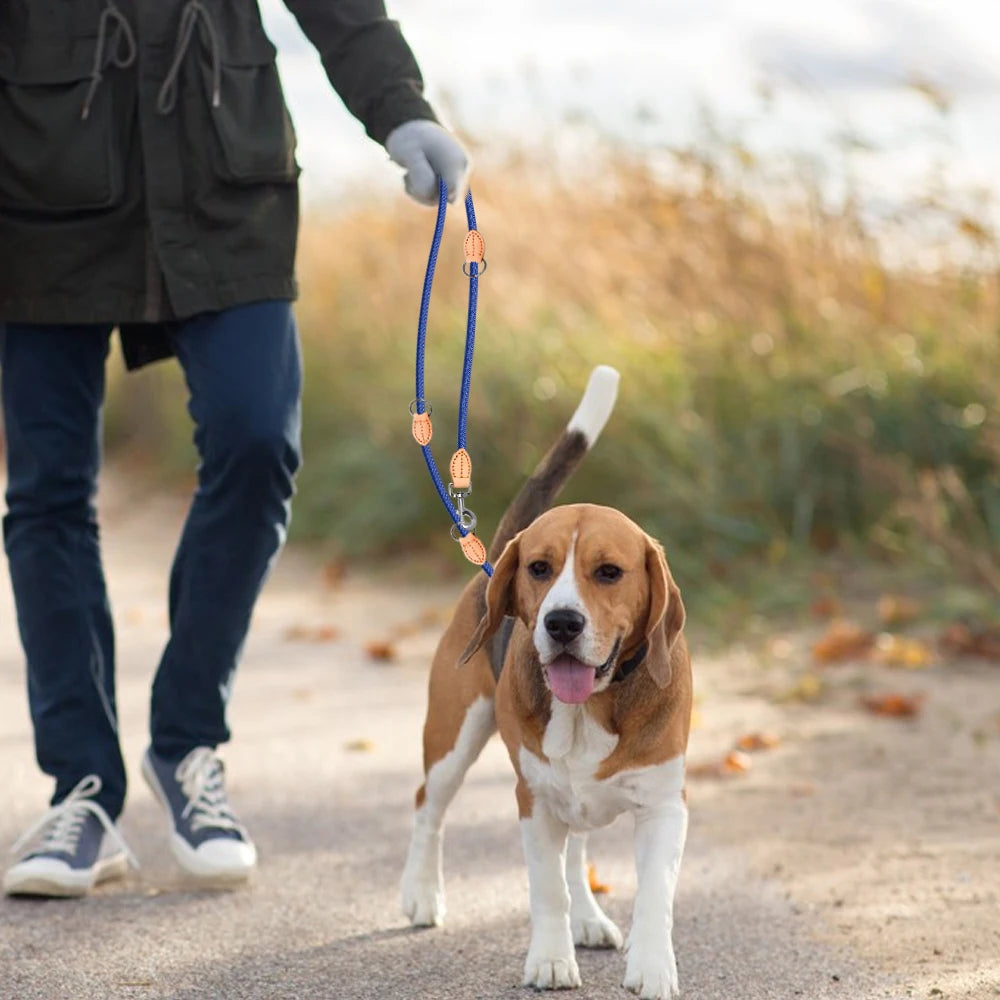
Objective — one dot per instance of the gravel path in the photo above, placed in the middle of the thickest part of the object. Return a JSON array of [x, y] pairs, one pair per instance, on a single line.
[[322, 769]]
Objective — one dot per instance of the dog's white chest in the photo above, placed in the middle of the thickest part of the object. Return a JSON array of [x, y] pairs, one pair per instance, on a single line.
[[575, 746]]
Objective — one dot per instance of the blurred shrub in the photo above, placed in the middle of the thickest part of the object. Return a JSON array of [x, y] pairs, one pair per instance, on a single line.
[[783, 387]]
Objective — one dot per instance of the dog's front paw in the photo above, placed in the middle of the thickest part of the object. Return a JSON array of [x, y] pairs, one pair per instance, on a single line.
[[651, 973], [596, 930], [422, 899], [551, 962], [552, 973]]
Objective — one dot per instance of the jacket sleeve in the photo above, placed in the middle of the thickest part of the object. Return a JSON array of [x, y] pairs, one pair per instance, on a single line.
[[367, 60]]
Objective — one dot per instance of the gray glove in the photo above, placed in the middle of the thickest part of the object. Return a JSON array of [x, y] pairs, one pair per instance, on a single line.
[[427, 151]]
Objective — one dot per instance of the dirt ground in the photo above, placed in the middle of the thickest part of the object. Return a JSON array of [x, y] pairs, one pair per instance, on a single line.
[[879, 835], [884, 831]]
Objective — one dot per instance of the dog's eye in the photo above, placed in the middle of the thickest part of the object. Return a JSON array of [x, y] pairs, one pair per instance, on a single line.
[[608, 573], [540, 569]]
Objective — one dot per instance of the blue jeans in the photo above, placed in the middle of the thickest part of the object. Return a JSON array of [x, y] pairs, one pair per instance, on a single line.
[[243, 371]]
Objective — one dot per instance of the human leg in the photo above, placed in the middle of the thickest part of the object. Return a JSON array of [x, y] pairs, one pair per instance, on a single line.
[[53, 387], [243, 371], [52, 384]]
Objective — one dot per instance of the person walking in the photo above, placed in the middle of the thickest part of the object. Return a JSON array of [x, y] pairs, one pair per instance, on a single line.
[[148, 184]]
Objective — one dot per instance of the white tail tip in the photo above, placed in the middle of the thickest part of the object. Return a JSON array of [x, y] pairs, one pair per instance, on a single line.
[[597, 403]]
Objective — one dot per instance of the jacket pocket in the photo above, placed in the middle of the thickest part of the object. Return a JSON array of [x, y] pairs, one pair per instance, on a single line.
[[256, 137], [53, 161]]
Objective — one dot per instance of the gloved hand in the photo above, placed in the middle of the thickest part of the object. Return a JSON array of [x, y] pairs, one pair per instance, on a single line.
[[427, 151]]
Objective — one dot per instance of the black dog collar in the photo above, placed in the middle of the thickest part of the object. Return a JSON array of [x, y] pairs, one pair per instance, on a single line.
[[627, 666]]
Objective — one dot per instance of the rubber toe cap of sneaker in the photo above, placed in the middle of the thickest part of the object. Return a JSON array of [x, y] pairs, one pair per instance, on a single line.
[[44, 876], [218, 857]]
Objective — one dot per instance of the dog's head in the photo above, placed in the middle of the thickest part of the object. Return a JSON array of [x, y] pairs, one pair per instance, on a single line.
[[591, 587]]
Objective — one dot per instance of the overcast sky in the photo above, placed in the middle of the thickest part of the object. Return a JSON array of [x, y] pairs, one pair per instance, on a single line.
[[644, 71]]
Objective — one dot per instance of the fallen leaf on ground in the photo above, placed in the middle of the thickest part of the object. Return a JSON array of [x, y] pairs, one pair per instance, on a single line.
[[826, 607], [732, 764], [312, 633], [736, 762], [894, 609], [758, 741], [596, 886], [898, 651], [891, 703], [334, 572], [360, 746], [843, 641], [963, 639], [384, 652], [807, 688]]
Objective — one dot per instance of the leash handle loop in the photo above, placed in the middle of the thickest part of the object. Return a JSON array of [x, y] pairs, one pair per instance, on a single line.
[[464, 525]]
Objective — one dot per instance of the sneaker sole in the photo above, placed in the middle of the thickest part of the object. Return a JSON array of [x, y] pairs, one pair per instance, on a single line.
[[38, 886], [60, 886], [208, 877]]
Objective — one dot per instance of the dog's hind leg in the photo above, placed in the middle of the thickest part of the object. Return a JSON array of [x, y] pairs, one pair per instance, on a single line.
[[422, 887], [591, 927]]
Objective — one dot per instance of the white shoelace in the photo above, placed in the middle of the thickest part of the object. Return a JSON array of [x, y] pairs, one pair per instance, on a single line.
[[200, 774], [65, 822]]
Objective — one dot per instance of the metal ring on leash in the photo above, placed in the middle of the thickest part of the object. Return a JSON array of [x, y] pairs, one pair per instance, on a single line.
[[468, 523]]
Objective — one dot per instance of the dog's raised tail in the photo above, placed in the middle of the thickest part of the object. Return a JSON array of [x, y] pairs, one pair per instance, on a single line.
[[552, 472]]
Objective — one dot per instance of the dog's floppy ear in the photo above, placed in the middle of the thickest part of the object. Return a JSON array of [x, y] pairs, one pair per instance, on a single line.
[[499, 598], [666, 613]]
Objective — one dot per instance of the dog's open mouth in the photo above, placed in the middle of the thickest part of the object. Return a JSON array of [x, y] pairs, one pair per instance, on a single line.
[[571, 680]]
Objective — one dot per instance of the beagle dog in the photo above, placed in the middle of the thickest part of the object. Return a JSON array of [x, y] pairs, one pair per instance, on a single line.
[[575, 652]]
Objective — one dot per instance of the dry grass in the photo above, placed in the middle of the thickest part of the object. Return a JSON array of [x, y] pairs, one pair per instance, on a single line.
[[783, 389]]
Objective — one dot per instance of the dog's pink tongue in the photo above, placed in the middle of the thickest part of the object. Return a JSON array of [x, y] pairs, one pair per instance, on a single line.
[[571, 681]]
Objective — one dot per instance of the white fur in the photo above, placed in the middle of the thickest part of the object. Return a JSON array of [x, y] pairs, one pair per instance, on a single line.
[[564, 595], [551, 962], [568, 797], [422, 886], [575, 746], [597, 403], [660, 832], [590, 925]]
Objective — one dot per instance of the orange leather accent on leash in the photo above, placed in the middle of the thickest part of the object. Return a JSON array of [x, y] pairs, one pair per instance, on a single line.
[[461, 470], [475, 247], [423, 430], [473, 548]]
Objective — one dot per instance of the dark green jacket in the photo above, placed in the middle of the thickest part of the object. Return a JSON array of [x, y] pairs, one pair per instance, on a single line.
[[147, 160]]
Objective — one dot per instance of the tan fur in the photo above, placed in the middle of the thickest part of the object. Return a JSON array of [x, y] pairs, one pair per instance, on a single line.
[[649, 711], [452, 691]]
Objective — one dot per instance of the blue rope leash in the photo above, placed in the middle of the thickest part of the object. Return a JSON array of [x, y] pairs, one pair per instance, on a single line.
[[470, 331], [464, 520]]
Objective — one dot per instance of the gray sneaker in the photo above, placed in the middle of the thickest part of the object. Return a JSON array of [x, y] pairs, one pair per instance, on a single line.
[[70, 849], [206, 838]]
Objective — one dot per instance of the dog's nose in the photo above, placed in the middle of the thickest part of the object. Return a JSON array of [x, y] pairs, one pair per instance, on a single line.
[[564, 624]]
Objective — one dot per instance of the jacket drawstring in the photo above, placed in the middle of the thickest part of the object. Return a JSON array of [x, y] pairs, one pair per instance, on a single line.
[[113, 54], [193, 10]]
